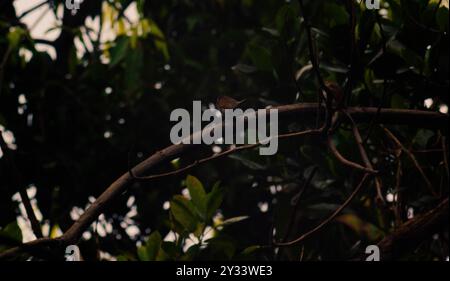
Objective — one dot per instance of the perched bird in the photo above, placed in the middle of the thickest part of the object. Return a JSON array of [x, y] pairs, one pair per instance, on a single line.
[[337, 98], [226, 102]]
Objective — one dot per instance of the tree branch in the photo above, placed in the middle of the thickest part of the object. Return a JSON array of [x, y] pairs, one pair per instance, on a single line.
[[20, 185], [345, 161], [409, 235], [71, 236], [413, 159], [364, 156], [330, 218]]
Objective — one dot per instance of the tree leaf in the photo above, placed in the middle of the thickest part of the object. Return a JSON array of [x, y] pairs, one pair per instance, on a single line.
[[184, 212], [119, 51], [250, 250], [12, 231], [409, 56], [442, 18], [214, 200], [233, 220], [260, 57], [160, 40], [198, 194], [248, 163], [244, 68], [363, 228], [150, 250]]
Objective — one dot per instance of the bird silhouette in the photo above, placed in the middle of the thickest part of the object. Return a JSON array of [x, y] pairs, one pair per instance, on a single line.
[[226, 102]]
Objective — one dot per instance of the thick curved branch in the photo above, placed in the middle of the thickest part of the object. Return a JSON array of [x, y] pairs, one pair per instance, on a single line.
[[409, 235], [396, 116]]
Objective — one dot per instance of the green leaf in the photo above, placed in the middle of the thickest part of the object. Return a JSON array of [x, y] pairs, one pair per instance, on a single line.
[[271, 31], [15, 35], [171, 250], [160, 40], [244, 68], [222, 246], [198, 194], [334, 68], [150, 250], [422, 137], [336, 14], [442, 18], [248, 163], [285, 15], [214, 199], [260, 57], [133, 66], [233, 220], [250, 250], [409, 56], [184, 213], [363, 228], [398, 101], [119, 51], [191, 253], [12, 231]]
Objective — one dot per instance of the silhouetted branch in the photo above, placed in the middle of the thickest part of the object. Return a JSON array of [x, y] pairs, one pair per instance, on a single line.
[[72, 235], [412, 157], [409, 235], [364, 156], [20, 185], [345, 161], [329, 219]]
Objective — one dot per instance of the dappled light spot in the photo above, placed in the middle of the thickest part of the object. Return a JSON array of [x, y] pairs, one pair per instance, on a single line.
[[186, 194], [216, 149], [107, 134], [428, 103], [171, 237], [158, 85], [131, 200], [263, 207], [410, 213], [166, 205], [108, 90], [87, 235], [132, 231]]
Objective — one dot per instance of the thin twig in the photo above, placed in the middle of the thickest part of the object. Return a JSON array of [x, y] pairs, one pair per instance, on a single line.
[[315, 62], [329, 219], [383, 96], [3, 65], [397, 198], [445, 152], [345, 161], [221, 154], [18, 181], [295, 202], [413, 159], [364, 156], [349, 85]]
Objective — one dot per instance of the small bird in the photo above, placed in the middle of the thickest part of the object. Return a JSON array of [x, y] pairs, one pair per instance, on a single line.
[[338, 94], [226, 102]]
